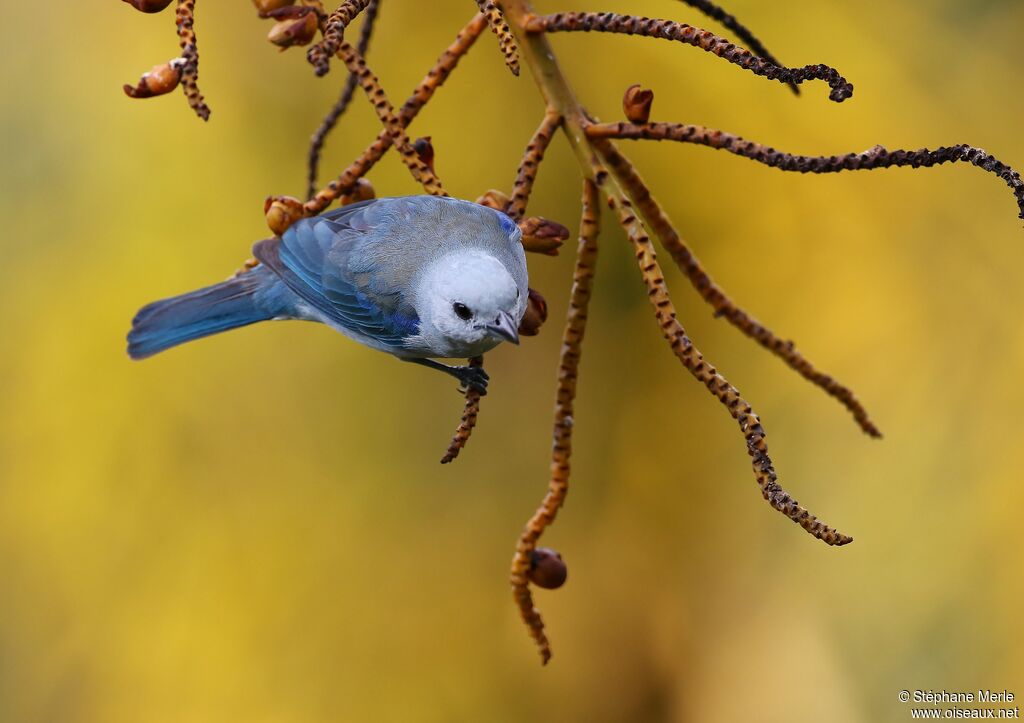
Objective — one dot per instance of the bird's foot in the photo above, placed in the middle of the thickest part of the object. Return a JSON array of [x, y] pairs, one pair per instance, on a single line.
[[470, 377], [474, 378]]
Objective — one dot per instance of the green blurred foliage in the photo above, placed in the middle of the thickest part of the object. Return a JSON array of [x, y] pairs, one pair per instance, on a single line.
[[255, 527]]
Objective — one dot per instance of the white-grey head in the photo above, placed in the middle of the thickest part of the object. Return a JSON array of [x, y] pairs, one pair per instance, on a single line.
[[468, 303]]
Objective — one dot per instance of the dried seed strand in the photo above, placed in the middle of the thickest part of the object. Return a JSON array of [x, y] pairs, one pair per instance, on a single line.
[[320, 54], [697, 37], [877, 157], [316, 144], [561, 448], [693, 360], [742, 32], [506, 41], [532, 158], [468, 422], [434, 79], [386, 112], [185, 17], [713, 294]]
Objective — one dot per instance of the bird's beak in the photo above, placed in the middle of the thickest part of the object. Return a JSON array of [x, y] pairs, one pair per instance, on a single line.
[[505, 327]]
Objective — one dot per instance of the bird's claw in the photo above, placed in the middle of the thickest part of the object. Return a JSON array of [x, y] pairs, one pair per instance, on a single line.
[[474, 378]]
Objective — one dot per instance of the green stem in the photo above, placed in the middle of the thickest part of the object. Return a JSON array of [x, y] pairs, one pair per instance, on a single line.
[[539, 56], [537, 52]]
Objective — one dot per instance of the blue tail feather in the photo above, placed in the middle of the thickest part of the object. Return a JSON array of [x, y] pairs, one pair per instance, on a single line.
[[169, 322]]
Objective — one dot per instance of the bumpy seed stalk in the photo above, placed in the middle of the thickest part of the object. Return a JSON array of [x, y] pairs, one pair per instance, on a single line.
[[561, 448], [532, 158], [877, 157], [320, 54], [506, 41], [719, 386], [434, 79], [742, 32], [697, 37], [656, 219], [341, 105], [392, 124], [468, 422], [185, 16]]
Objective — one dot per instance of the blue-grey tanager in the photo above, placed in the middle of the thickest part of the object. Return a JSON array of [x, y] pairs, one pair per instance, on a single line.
[[416, 276]]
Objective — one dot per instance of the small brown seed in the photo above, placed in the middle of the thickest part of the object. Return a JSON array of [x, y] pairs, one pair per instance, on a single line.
[[636, 103], [498, 200], [294, 31], [267, 6], [161, 79], [535, 316], [149, 6], [425, 150], [547, 570], [362, 191], [543, 236], [282, 212]]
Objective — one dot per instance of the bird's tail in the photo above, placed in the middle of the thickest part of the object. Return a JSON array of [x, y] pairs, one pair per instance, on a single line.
[[217, 308]]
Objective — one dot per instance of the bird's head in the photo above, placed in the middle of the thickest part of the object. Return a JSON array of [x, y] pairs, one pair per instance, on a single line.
[[469, 303]]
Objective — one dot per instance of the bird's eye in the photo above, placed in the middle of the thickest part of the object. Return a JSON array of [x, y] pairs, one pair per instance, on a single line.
[[462, 311]]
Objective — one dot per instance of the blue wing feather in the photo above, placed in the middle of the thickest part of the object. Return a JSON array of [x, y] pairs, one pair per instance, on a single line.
[[311, 258]]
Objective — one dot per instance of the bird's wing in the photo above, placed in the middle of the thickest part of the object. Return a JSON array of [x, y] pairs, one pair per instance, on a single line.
[[314, 259]]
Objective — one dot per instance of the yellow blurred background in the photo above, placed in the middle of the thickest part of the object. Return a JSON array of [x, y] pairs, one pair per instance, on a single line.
[[255, 527]]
